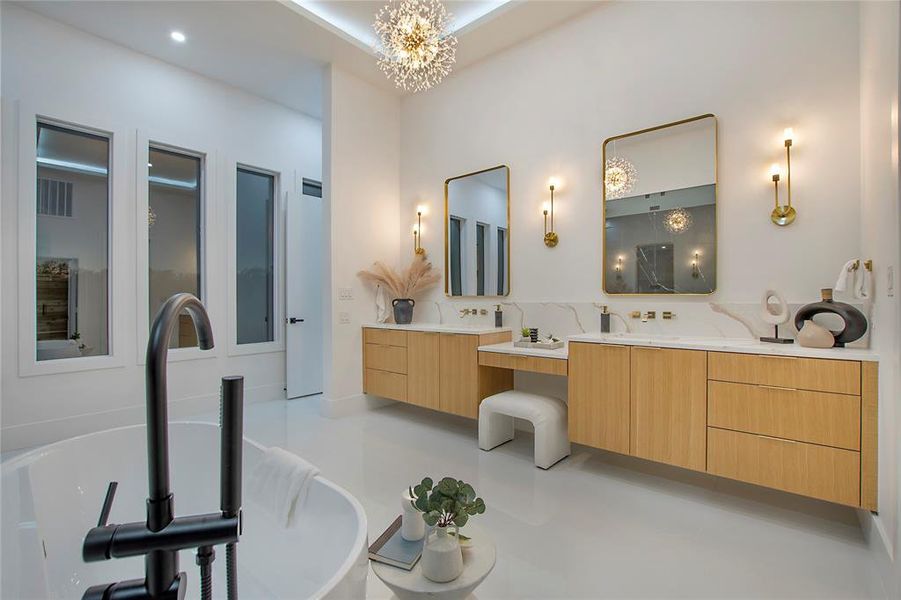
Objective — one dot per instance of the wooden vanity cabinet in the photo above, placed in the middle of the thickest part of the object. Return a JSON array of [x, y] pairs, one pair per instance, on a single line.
[[599, 396], [423, 368], [434, 370], [669, 406]]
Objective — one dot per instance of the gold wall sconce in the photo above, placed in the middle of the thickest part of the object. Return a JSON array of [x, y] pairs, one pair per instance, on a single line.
[[417, 232], [618, 267], [550, 236], [784, 214], [696, 265]]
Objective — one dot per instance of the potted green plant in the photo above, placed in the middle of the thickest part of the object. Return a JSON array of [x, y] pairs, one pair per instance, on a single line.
[[450, 502], [525, 334]]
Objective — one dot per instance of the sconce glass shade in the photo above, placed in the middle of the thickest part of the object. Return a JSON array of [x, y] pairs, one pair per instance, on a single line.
[[677, 221], [620, 177]]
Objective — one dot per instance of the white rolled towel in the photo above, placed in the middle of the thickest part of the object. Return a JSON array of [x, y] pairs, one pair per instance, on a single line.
[[863, 284], [280, 484], [847, 271]]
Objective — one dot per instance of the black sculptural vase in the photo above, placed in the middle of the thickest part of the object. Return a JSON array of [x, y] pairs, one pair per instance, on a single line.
[[855, 321], [403, 310]]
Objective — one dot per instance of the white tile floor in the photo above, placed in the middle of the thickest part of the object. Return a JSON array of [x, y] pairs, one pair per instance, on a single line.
[[597, 525]]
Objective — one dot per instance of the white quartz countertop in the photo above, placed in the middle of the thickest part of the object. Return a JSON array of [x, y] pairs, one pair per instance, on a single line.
[[509, 348], [437, 327], [715, 344]]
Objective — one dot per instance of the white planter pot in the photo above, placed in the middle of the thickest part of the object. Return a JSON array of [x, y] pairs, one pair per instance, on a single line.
[[412, 526], [442, 559]]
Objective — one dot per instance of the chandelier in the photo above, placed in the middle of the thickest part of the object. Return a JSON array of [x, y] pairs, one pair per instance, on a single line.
[[416, 48], [677, 220], [619, 177]]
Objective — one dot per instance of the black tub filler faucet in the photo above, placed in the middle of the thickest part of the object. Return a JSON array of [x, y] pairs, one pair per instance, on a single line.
[[162, 535]]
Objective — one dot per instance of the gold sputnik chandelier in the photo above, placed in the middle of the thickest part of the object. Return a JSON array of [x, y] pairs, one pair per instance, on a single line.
[[619, 177], [677, 221], [416, 48]]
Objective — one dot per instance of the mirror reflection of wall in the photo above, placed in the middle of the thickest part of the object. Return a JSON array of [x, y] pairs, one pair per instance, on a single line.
[[660, 210], [477, 234]]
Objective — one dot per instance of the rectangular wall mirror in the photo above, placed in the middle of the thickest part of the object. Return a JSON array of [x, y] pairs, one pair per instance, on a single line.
[[477, 233], [660, 209]]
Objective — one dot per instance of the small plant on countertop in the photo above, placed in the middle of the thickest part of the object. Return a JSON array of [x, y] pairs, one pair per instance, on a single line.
[[525, 332], [451, 502]]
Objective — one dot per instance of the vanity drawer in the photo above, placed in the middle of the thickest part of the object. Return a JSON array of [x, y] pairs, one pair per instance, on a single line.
[[815, 417], [826, 473], [385, 337], [518, 362], [817, 374], [386, 385], [386, 358]]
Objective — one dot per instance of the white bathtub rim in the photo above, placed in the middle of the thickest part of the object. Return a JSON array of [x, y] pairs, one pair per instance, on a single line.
[[359, 544]]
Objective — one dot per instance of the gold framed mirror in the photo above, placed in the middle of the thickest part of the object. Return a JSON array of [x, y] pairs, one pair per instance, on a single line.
[[477, 233], [659, 209]]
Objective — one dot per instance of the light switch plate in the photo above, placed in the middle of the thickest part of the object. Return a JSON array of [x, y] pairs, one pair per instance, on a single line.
[[345, 293], [344, 318]]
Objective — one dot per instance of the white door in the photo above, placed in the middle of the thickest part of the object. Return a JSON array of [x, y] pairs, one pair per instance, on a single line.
[[303, 305]]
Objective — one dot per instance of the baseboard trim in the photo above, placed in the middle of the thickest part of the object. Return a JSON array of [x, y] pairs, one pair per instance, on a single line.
[[335, 408], [882, 551], [40, 433]]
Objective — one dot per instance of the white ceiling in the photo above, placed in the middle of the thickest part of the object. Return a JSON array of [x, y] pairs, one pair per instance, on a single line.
[[276, 49]]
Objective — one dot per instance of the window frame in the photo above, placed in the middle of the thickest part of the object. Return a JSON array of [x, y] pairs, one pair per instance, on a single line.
[[284, 183], [190, 147], [118, 181]]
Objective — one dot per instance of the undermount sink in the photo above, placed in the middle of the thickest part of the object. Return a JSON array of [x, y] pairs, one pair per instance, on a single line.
[[663, 339]]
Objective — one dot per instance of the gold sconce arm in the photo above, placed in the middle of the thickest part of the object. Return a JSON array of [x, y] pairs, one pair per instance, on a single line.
[[550, 236], [783, 215]]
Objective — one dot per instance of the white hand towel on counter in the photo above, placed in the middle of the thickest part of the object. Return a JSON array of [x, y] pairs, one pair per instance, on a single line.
[[280, 484]]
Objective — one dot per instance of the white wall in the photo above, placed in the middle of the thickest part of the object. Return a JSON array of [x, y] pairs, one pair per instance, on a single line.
[[879, 92], [546, 106], [63, 73], [361, 142]]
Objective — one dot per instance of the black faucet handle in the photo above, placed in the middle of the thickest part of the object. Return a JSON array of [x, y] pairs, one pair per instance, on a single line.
[[107, 503]]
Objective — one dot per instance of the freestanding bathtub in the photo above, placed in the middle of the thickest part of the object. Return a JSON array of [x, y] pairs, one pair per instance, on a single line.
[[52, 496]]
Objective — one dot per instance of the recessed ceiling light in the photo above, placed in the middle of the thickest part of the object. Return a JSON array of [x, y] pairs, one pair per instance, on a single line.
[[178, 36]]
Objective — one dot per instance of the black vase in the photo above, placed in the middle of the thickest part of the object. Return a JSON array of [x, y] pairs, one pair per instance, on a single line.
[[855, 321], [403, 310]]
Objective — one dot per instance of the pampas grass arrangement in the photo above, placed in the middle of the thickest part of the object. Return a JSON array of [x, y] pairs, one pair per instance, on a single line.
[[415, 279]]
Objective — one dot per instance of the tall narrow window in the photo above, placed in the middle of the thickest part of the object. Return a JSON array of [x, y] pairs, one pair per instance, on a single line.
[[255, 256], [72, 268], [174, 234], [456, 275], [501, 260], [481, 240]]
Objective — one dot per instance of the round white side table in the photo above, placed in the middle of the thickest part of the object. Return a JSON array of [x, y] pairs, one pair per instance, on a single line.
[[478, 561]]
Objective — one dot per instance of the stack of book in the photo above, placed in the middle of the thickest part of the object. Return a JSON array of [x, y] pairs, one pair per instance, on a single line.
[[392, 549]]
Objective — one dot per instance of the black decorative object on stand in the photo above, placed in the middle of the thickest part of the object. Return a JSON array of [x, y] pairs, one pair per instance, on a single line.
[[855, 321], [403, 310]]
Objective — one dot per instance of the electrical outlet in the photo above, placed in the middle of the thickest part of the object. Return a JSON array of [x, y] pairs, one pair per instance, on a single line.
[[345, 293], [344, 318]]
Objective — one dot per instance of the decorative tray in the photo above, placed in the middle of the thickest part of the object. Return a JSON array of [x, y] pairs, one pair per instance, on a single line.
[[539, 345]]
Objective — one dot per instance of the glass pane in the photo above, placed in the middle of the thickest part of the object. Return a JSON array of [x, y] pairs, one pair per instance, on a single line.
[[501, 261], [72, 276], [456, 279], [480, 259], [174, 233], [255, 248]]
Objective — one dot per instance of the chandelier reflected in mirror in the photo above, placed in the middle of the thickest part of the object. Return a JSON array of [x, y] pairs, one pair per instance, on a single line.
[[677, 221], [416, 48], [620, 177]]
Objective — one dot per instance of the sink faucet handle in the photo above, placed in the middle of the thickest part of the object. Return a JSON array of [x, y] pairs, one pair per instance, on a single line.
[[107, 503]]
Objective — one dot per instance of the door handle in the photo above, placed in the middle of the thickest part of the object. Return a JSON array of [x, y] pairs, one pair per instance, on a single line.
[[293, 320]]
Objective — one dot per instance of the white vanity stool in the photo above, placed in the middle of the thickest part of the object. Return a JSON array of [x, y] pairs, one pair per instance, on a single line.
[[547, 415]]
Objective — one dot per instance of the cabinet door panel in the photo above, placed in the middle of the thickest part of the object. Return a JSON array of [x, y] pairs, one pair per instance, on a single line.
[[669, 406], [459, 374], [599, 396], [422, 368]]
